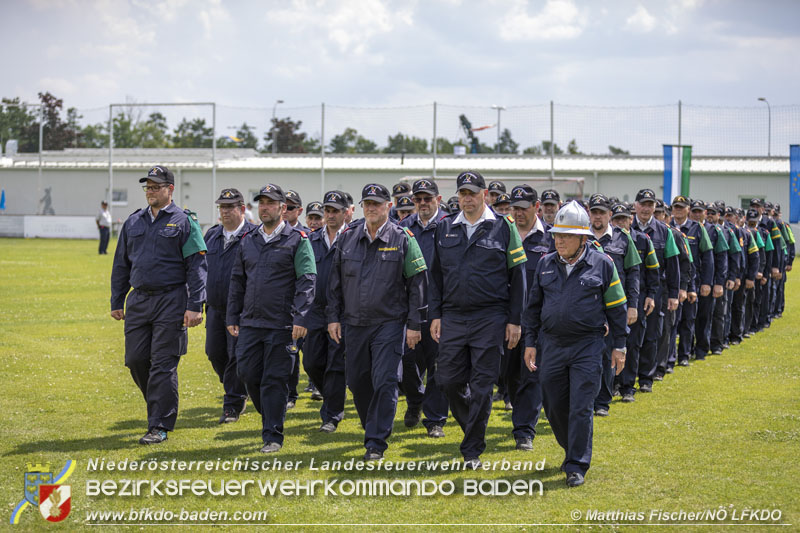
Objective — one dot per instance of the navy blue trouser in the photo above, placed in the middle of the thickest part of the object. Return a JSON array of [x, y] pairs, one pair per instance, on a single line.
[[323, 361], [373, 368], [467, 369], [671, 341], [763, 304], [105, 234], [294, 379], [738, 313], [420, 364], [603, 398], [649, 352], [265, 360], [570, 372], [717, 334], [221, 351], [155, 338], [686, 330], [702, 330], [525, 393], [627, 378]]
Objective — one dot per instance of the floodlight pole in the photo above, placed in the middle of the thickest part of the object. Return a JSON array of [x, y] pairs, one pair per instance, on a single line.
[[41, 144], [434, 140], [499, 109], [274, 128], [552, 149], [110, 163], [322, 154], [213, 160], [769, 126]]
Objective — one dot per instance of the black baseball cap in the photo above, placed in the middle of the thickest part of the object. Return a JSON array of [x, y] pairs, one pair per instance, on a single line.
[[681, 201], [660, 205], [452, 203], [756, 202], [730, 210], [314, 208], [292, 196], [271, 191], [698, 205], [777, 208], [470, 180], [550, 196], [752, 214], [523, 196], [375, 192], [426, 186], [405, 203], [230, 197], [712, 207], [503, 198], [400, 188], [349, 197], [768, 205], [159, 174], [620, 210], [646, 195], [497, 186], [599, 201], [335, 199]]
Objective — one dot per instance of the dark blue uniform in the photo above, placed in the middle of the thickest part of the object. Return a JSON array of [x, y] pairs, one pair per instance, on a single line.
[[524, 389], [742, 298], [649, 284], [163, 260], [295, 377], [706, 304], [722, 308], [323, 359], [667, 346], [421, 361], [566, 318], [376, 290], [667, 254], [220, 345], [477, 287], [271, 289]]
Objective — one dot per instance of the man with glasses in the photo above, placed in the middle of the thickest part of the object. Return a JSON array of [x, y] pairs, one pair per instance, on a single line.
[[271, 291], [424, 397], [222, 241], [161, 254], [294, 208]]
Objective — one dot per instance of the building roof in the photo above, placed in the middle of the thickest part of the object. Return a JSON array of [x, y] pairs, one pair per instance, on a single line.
[[248, 159]]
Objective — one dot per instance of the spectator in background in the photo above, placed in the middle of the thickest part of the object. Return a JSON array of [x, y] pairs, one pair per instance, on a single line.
[[103, 221]]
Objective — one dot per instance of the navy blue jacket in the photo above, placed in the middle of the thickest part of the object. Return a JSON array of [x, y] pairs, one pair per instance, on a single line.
[[220, 262], [537, 244], [616, 247], [667, 258], [753, 254], [272, 284], [426, 237], [734, 251], [774, 233], [324, 258], [720, 253], [577, 306], [649, 276], [479, 276], [378, 282], [150, 256], [703, 260]]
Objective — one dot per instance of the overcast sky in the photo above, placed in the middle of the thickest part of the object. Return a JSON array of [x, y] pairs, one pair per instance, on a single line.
[[381, 53]]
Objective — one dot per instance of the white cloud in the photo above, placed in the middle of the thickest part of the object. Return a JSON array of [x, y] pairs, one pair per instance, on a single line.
[[558, 20], [641, 20], [213, 14]]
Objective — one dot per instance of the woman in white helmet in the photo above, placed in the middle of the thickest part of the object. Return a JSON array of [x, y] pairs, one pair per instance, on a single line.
[[575, 300]]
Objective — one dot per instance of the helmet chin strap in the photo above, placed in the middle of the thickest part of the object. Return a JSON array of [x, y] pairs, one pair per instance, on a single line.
[[574, 256]]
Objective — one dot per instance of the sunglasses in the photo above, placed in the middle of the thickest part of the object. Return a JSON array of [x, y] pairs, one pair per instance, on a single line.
[[291, 207]]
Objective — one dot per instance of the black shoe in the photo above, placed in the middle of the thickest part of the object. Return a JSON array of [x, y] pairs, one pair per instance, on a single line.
[[472, 463], [646, 387], [328, 427], [373, 455], [508, 406], [412, 417], [683, 363], [669, 370], [628, 397], [616, 390], [310, 387], [271, 447], [700, 358], [436, 432], [228, 416], [574, 479], [316, 395], [601, 412], [747, 335], [154, 436], [658, 377], [734, 342], [290, 404], [525, 444], [717, 351], [725, 346]]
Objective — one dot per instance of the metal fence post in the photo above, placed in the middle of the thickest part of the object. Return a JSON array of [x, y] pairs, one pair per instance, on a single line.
[[41, 143], [213, 160], [680, 109], [435, 148], [322, 153], [552, 149], [110, 163]]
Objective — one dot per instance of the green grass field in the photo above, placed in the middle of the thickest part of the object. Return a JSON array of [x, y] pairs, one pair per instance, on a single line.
[[724, 433]]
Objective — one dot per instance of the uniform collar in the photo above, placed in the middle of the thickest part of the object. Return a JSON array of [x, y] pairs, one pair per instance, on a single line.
[[487, 214], [228, 234], [377, 233], [275, 234]]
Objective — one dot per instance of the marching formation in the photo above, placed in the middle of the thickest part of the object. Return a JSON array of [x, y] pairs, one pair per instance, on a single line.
[[561, 306]]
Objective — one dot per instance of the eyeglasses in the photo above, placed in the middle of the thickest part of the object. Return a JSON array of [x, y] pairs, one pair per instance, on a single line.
[[422, 199], [291, 207], [229, 207], [152, 188]]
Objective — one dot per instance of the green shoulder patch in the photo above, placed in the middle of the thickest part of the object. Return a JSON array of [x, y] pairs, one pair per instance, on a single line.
[[304, 262], [632, 255], [414, 262], [733, 242], [651, 259], [614, 295], [195, 243], [670, 247], [722, 241], [515, 253], [705, 240]]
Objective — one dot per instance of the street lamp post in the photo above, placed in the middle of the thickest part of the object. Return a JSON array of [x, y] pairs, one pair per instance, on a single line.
[[769, 126], [274, 128], [499, 108]]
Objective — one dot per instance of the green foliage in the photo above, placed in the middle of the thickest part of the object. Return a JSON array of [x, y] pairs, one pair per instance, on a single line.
[[20, 123], [288, 137], [246, 135], [350, 142], [192, 134], [543, 149], [572, 148], [403, 143], [613, 150], [507, 144]]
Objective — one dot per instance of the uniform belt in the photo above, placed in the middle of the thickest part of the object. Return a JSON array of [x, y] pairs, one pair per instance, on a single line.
[[152, 291]]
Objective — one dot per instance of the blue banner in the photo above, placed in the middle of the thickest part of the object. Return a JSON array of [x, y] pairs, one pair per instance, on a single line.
[[794, 183]]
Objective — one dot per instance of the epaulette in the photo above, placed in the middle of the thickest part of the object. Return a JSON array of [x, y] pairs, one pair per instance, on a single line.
[[597, 245], [191, 214], [214, 226], [509, 218], [408, 231], [135, 212]]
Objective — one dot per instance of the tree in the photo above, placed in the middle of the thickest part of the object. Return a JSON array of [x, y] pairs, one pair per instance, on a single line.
[[403, 143], [193, 134], [543, 149], [572, 148], [57, 134], [245, 135], [350, 142], [613, 150], [288, 138], [20, 123], [507, 144]]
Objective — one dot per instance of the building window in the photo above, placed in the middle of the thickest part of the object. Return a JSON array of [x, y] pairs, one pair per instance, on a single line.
[[119, 197]]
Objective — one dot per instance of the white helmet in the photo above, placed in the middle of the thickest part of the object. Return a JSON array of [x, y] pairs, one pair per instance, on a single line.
[[572, 219]]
